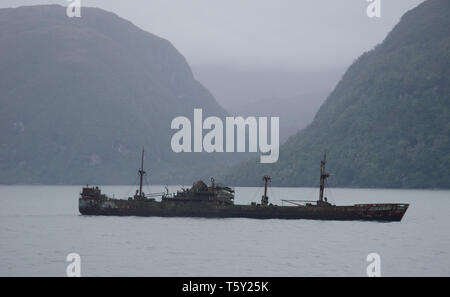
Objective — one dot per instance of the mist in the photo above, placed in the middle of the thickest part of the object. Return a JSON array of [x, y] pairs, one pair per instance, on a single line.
[[246, 51]]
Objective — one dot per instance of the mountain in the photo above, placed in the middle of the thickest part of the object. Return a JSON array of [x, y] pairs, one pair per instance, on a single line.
[[80, 97], [387, 122], [295, 113]]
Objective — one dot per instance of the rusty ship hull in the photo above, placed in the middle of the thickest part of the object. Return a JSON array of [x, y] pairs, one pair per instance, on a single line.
[[217, 201], [367, 212]]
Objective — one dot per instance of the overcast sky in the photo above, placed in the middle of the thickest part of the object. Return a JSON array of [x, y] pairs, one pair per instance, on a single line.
[[247, 50], [258, 33]]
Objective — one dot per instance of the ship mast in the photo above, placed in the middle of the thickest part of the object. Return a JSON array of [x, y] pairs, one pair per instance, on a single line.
[[265, 199], [323, 177], [141, 173], [213, 184]]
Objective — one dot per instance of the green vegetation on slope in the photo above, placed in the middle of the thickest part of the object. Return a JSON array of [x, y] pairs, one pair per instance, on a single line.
[[386, 124], [80, 97]]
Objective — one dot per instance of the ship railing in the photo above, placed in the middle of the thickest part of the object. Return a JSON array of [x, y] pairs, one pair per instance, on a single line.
[[152, 195], [298, 202]]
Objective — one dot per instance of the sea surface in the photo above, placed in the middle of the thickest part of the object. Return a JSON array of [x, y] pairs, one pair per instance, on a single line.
[[41, 225]]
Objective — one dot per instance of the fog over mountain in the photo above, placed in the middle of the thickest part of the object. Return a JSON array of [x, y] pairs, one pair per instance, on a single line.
[[294, 113], [386, 124], [282, 61], [246, 51], [80, 97]]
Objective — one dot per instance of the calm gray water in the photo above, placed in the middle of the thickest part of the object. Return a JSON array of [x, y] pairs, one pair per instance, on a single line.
[[40, 226]]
